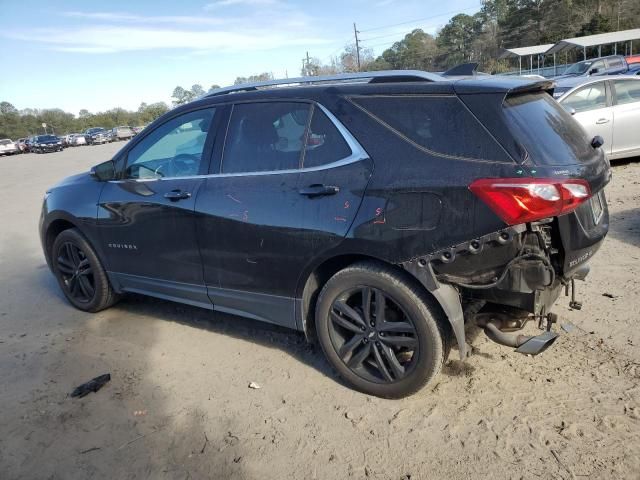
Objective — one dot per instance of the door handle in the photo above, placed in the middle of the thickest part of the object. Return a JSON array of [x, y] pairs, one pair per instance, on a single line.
[[175, 195], [317, 190], [600, 121]]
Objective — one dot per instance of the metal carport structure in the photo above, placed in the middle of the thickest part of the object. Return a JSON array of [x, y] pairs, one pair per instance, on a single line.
[[526, 52], [596, 41]]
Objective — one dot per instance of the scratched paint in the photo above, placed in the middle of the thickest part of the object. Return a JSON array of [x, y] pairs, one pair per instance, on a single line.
[[380, 218]]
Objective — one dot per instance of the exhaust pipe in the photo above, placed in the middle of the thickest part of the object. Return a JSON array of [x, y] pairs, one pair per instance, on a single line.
[[522, 343]]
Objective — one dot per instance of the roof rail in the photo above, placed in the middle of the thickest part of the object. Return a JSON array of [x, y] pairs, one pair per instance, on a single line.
[[366, 77]]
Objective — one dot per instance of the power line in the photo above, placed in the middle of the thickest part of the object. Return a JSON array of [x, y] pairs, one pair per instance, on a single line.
[[419, 19], [424, 27]]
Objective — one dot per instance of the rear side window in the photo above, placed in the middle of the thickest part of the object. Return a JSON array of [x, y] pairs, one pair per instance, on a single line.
[[587, 98], [614, 62], [265, 137], [325, 144], [440, 125], [627, 91]]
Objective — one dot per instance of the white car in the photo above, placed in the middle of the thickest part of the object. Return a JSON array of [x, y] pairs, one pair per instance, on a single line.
[[608, 106], [77, 139], [9, 147]]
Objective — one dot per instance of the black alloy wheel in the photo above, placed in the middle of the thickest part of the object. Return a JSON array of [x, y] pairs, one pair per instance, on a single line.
[[380, 330], [373, 335], [76, 272], [80, 274]]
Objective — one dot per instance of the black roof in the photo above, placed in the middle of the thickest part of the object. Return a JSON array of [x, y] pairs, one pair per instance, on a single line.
[[479, 84]]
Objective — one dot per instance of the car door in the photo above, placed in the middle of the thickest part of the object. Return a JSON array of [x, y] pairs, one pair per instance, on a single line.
[[263, 217], [146, 218], [626, 117], [591, 107]]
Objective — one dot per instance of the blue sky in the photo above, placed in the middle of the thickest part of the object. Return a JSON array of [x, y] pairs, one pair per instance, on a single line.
[[100, 55]]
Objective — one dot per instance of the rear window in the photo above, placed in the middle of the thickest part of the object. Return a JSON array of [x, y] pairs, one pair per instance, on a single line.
[[548, 134], [441, 125]]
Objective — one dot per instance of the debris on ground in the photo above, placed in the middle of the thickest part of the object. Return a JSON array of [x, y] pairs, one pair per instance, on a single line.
[[91, 386], [254, 385], [568, 327], [608, 295]]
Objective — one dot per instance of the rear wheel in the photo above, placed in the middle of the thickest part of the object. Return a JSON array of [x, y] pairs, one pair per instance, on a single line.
[[79, 272], [380, 331]]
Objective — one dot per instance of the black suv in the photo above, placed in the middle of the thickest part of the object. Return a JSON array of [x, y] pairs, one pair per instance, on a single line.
[[375, 212]]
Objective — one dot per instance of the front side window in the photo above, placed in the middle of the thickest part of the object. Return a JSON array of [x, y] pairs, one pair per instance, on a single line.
[[174, 149], [265, 137], [587, 98], [627, 91]]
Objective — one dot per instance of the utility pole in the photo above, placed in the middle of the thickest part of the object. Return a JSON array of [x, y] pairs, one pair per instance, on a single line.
[[308, 70], [355, 33]]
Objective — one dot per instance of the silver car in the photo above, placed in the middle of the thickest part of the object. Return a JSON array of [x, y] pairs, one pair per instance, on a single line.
[[608, 106]]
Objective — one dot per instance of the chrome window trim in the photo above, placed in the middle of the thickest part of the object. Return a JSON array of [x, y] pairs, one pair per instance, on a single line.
[[357, 153]]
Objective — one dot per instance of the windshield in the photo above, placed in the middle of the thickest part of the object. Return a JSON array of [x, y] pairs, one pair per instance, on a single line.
[[46, 138], [5, 141], [578, 68], [95, 130]]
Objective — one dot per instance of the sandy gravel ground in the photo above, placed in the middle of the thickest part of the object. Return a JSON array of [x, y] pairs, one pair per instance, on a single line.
[[179, 406]]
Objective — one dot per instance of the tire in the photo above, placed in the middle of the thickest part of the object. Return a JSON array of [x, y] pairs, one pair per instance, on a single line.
[[411, 319], [79, 272]]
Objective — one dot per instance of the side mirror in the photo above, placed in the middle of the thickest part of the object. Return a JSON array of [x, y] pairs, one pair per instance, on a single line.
[[597, 141], [104, 172], [593, 70]]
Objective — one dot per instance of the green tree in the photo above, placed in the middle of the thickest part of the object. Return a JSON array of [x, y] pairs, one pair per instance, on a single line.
[[261, 77]]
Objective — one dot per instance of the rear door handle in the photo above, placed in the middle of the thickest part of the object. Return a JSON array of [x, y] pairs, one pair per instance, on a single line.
[[317, 190], [175, 195], [600, 121]]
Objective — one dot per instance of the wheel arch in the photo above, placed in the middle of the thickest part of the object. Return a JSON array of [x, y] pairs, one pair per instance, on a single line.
[[442, 296], [52, 230]]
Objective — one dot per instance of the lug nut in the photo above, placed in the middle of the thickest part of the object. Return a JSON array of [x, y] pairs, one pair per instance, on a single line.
[[373, 324]]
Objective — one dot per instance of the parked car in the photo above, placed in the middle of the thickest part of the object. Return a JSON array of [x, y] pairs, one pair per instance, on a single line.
[[484, 192], [122, 133], [632, 59], [96, 136], [634, 69], [21, 144], [28, 143], [77, 139], [9, 147], [46, 143], [611, 65], [609, 107], [137, 130]]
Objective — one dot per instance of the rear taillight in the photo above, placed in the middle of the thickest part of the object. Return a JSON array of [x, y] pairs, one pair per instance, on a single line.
[[521, 200]]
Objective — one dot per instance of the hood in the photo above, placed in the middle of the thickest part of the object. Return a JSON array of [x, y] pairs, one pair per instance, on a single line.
[[72, 180]]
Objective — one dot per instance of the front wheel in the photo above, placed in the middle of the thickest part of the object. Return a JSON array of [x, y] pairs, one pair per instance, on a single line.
[[79, 272], [380, 331]]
